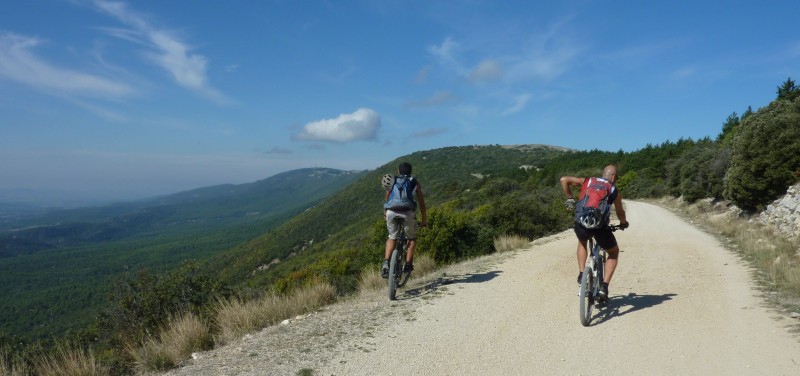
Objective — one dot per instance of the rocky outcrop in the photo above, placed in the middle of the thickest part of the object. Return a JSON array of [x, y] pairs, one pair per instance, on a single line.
[[784, 213]]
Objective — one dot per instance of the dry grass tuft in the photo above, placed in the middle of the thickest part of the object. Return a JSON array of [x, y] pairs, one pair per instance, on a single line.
[[183, 335], [14, 367], [371, 281], [151, 355], [423, 265], [69, 360], [507, 243], [186, 334], [235, 318]]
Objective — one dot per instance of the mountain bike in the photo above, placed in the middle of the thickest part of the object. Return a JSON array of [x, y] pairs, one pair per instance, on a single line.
[[398, 260], [592, 280]]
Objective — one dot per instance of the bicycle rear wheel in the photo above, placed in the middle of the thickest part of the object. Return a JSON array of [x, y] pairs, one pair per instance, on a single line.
[[599, 283], [586, 296], [395, 270]]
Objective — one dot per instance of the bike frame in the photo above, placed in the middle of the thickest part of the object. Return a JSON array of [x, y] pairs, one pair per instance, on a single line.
[[398, 260], [592, 280]]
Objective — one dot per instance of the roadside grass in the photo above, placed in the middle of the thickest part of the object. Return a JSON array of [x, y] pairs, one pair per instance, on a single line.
[[232, 318], [235, 318], [183, 335], [12, 367], [67, 360], [774, 257], [507, 243]]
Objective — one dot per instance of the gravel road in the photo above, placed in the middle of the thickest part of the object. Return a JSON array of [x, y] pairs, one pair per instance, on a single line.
[[680, 304]]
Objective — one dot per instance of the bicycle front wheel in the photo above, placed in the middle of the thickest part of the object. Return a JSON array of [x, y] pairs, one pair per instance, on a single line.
[[394, 274], [586, 296]]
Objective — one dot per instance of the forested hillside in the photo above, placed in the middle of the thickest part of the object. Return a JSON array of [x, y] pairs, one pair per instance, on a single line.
[[57, 268], [474, 194]]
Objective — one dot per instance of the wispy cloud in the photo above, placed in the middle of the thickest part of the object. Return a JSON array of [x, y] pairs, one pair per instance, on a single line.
[[437, 99], [520, 102], [19, 63], [340, 77], [545, 55], [362, 124], [447, 55], [541, 64], [430, 132], [278, 150], [422, 75], [167, 50], [487, 70]]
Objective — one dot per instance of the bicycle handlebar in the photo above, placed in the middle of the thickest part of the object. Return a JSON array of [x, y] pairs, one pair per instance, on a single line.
[[619, 227]]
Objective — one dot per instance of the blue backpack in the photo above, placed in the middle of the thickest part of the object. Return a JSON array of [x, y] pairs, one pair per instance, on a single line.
[[401, 197]]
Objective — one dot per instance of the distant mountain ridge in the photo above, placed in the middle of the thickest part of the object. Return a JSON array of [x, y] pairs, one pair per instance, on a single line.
[[194, 210]]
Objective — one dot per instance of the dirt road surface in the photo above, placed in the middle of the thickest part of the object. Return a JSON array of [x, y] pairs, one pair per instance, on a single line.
[[681, 304]]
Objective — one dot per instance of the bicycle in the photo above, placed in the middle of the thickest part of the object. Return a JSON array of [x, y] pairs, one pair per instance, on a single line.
[[398, 260], [592, 280]]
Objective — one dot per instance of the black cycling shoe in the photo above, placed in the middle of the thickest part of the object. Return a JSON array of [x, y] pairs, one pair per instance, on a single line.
[[604, 292], [385, 269], [580, 276], [408, 268]]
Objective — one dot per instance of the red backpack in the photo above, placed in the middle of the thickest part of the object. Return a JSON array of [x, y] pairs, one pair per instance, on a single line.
[[593, 209]]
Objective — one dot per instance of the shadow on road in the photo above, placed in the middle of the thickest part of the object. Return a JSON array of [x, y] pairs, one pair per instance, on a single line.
[[450, 280], [622, 305]]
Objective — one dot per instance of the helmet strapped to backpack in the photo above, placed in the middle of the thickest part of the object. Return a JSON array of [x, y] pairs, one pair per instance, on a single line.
[[593, 209], [387, 181], [591, 219]]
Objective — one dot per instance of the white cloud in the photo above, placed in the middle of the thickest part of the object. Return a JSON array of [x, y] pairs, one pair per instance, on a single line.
[[360, 125], [18, 63], [187, 69]]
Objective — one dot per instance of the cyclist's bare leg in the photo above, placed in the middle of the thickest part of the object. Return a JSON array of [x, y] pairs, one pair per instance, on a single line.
[[410, 250], [389, 248], [611, 263], [582, 254]]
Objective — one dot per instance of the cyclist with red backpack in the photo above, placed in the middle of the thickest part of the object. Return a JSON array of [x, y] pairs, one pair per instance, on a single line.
[[402, 194], [592, 216]]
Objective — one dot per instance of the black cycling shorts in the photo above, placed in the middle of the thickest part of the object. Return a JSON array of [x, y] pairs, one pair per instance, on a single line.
[[605, 237]]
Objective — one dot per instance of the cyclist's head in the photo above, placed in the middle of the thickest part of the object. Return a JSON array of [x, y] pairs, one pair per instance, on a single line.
[[610, 173], [404, 169]]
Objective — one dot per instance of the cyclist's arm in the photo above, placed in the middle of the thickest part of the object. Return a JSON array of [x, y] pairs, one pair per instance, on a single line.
[[384, 200], [619, 209], [422, 209], [569, 181]]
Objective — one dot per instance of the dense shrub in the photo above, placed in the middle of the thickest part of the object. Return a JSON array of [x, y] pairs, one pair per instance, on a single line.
[[142, 305], [765, 157]]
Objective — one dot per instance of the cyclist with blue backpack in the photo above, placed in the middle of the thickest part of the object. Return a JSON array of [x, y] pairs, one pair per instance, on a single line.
[[402, 194], [592, 217]]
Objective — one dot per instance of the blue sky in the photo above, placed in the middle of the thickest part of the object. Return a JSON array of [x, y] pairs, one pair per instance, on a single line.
[[151, 97]]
